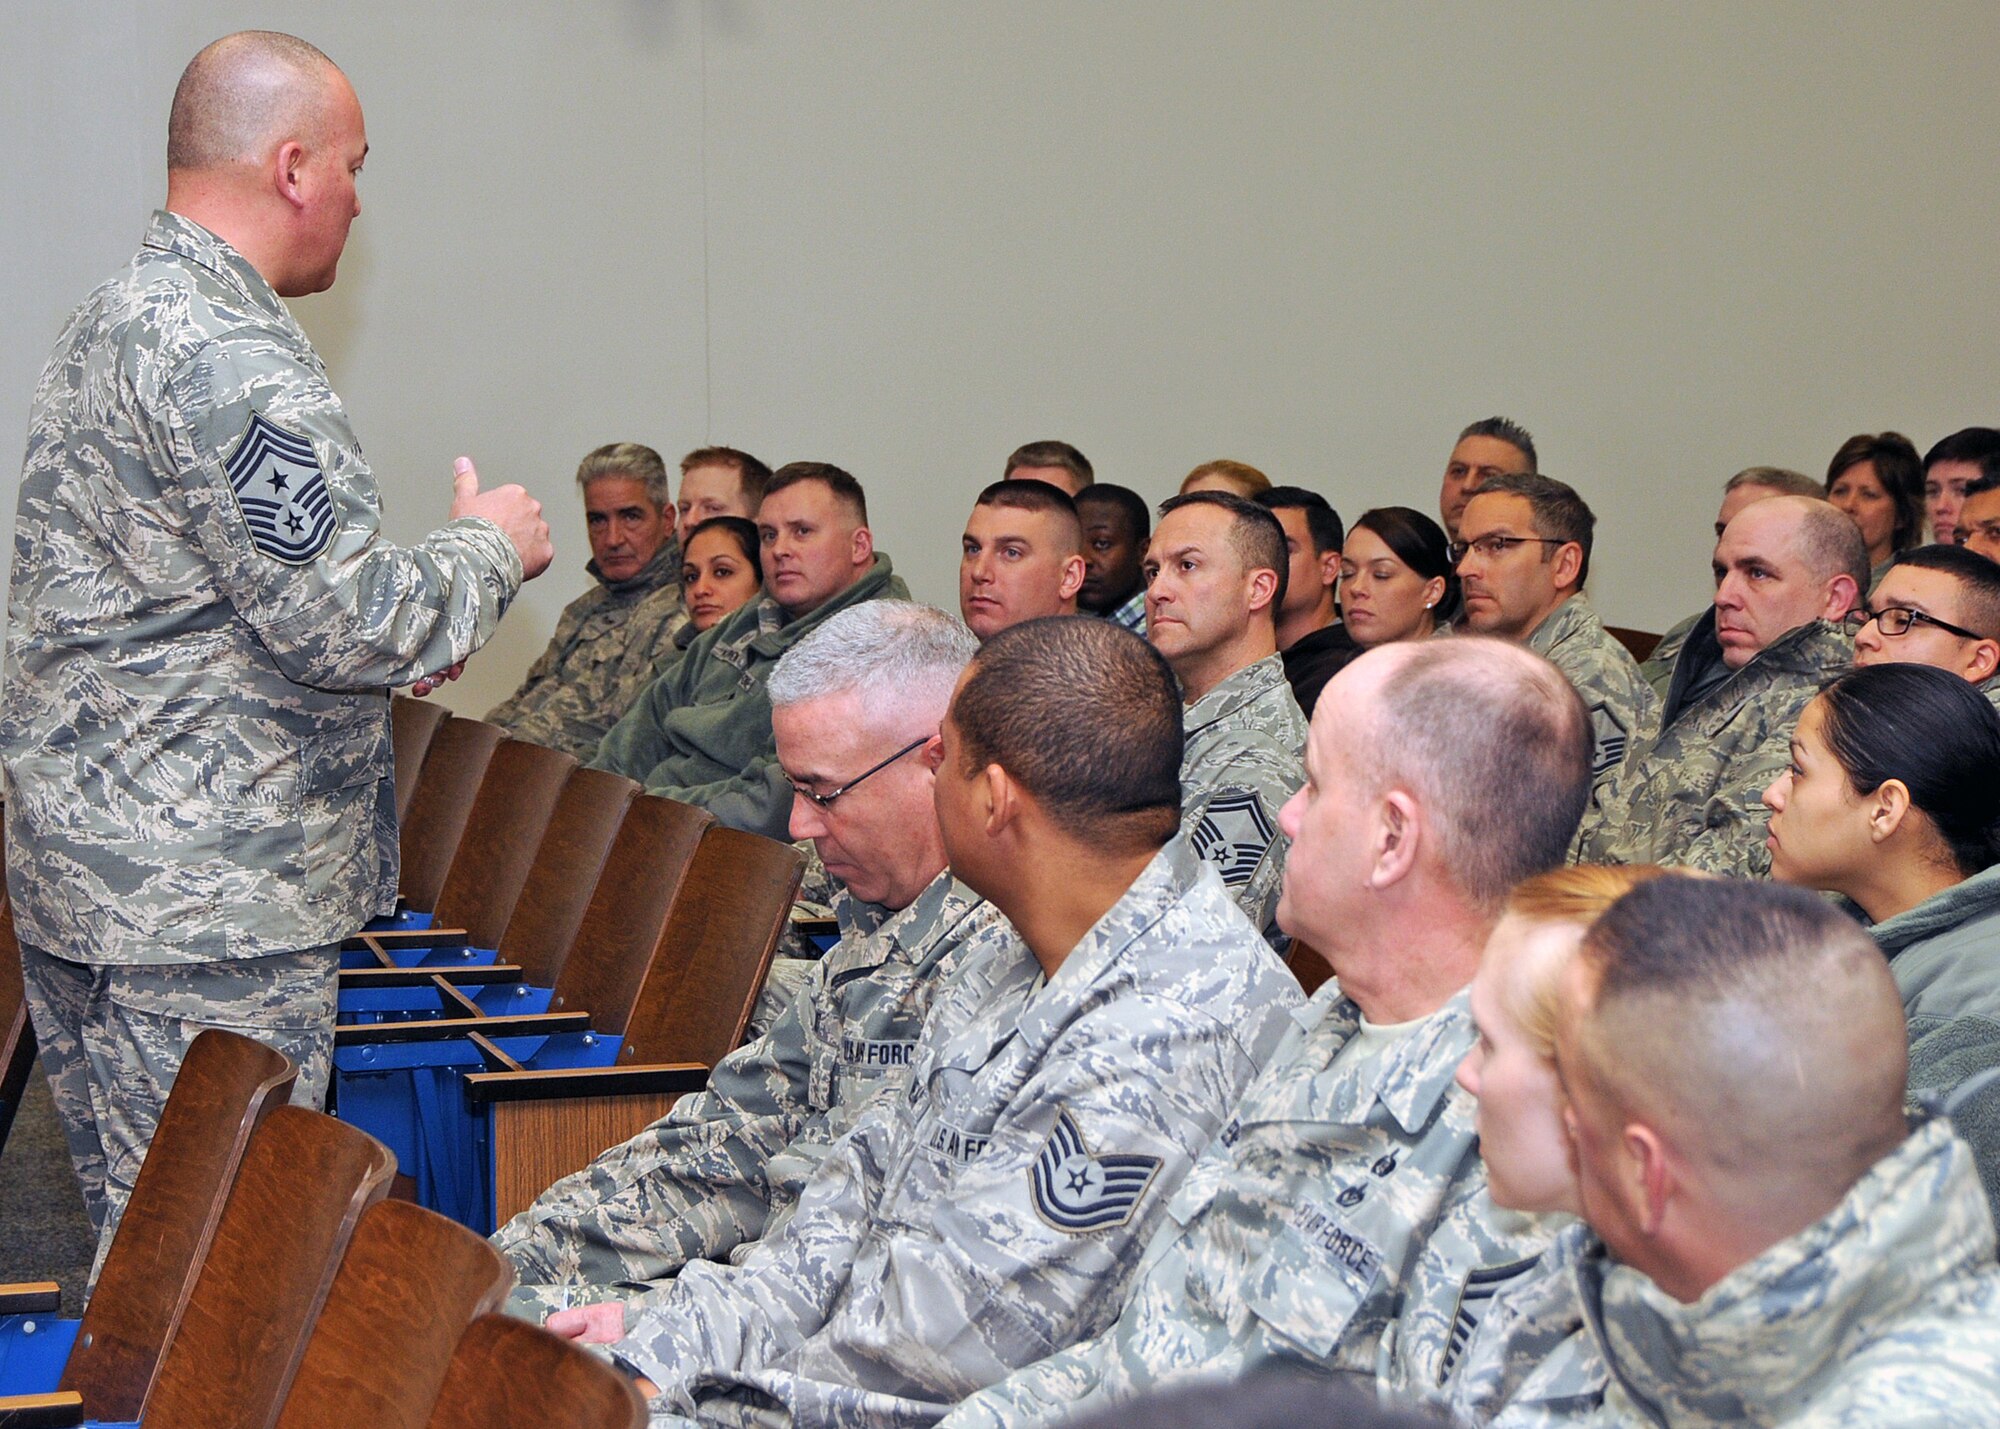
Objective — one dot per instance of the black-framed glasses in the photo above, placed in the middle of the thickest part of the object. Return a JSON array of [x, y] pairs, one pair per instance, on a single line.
[[1493, 546], [825, 801], [1897, 620]]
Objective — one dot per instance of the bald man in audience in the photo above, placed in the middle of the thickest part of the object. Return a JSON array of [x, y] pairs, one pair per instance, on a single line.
[[1768, 1239], [1753, 483], [1058, 463], [1340, 1223], [1977, 526], [1021, 556], [1064, 1081], [1215, 582], [1493, 447], [1935, 605], [1523, 556], [1788, 570]]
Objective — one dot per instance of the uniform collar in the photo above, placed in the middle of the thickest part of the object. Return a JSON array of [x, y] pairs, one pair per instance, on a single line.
[[1411, 1080], [1564, 620], [172, 233], [1245, 687]]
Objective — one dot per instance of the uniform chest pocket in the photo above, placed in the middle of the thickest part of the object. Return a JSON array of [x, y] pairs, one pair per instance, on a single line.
[[342, 758], [1322, 1280]]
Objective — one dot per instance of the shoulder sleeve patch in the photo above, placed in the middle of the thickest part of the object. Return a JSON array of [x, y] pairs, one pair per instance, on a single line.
[[281, 492], [1075, 1191], [1233, 834], [1478, 1290]]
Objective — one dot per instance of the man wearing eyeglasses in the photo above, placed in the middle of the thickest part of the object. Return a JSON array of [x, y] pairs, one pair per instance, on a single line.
[[856, 708], [1935, 605], [1788, 569], [1523, 555]]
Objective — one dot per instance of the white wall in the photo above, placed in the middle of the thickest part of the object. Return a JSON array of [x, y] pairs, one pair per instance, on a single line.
[[1674, 240]]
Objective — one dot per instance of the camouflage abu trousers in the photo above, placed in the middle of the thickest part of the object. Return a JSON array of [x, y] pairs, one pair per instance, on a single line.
[[112, 1039]]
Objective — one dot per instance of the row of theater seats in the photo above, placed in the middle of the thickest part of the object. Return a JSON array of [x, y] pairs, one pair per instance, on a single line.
[[572, 954], [260, 1278]]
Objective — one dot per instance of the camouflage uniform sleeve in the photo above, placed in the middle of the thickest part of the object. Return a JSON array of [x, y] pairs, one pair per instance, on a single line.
[[969, 1269], [1231, 821], [361, 613], [512, 713], [636, 743]]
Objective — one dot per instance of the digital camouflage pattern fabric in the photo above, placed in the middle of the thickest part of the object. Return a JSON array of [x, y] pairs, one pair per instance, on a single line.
[[993, 1211], [202, 625], [701, 732], [1621, 704], [1244, 756], [1657, 669], [715, 1172], [1692, 793], [1339, 1224], [609, 644], [1884, 1313]]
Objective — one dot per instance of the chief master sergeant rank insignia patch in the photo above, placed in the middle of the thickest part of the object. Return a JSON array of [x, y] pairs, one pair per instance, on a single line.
[[1075, 1191], [281, 492]]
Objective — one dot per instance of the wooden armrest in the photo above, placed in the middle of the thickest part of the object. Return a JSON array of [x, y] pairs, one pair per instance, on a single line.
[[541, 1024], [406, 938], [475, 975], [665, 1077], [60, 1410], [30, 1297], [496, 1060]]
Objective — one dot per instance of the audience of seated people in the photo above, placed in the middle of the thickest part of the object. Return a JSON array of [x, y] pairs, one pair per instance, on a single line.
[[1312, 637], [1021, 556], [1116, 528]]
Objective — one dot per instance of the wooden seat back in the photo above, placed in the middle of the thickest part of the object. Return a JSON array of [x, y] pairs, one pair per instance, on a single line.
[[17, 1034], [1308, 966], [715, 950], [299, 1193], [1641, 643], [442, 805], [557, 892], [511, 1375], [412, 725], [226, 1086], [517, 797], [624, 927], [410, 1283]]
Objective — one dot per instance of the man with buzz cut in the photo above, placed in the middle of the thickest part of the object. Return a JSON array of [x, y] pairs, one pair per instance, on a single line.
[[1058, 463], [1788, 569], [1215, 581], [1489, 448], [1021, 556], [1339, 1224], [701, 731], [611, 637], [1767, 1239], [1066, 1077], [1116, 527], [1523, 556], [1935, 605], [865, 691]]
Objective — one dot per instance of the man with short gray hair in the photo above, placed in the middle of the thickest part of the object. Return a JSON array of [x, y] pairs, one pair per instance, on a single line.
[[611, 639], [855, 706], [1787, 570]]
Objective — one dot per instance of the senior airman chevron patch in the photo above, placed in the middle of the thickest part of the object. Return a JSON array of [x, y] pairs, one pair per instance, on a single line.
[[281, 492], [1076, 1191]]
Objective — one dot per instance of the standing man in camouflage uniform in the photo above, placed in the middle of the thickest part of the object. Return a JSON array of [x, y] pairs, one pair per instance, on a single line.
[[204, 618], [1215, 580], [1065, 1079], [610, 638], [1768, 1241], [701, 732], [1787, 569], [1523, 556], [1340, 1221], [863, 692]]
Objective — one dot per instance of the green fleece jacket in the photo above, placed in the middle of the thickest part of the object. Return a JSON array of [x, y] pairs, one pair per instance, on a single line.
[[1945, 954], [701, 732]]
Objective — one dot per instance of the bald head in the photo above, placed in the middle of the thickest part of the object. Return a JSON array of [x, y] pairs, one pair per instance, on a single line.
[[244, 94], [1754, 1030]]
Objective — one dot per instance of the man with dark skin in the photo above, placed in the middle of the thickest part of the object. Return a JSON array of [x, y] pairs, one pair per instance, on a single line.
[[1116, 526]]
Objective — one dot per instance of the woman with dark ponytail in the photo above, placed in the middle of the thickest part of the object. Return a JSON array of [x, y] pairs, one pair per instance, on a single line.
[[1892, 798]]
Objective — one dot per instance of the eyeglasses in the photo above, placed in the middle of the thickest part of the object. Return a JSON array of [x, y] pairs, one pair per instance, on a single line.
[[1493, 546], [1897, 620], [825, 801]]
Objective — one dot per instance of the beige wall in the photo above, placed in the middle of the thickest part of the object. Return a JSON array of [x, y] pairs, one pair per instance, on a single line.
[[1674, 240]]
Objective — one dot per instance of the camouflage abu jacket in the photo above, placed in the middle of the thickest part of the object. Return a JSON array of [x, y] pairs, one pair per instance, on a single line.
[[718, 1169], [608, 645], [1244, 757], [1691, 794], [1884, 1313], [203, 622], [1339, 1223], [1620, 702], [994, 1211], [701, 731]]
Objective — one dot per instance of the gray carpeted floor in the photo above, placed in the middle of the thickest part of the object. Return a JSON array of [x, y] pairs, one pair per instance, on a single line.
[[44, 1234]]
